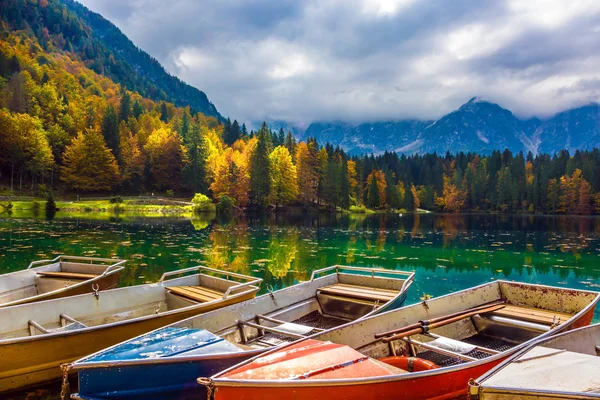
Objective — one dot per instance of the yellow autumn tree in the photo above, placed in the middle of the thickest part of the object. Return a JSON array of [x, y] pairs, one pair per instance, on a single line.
[[165, 156], [352, 178], [306, 171], [88, 164], [284, 187], [133, 159]]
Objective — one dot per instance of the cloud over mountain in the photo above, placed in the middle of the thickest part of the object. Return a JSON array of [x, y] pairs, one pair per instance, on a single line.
[[371, 60]]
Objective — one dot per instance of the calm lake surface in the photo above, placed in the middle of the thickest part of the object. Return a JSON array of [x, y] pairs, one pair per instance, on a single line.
[[448, 252]]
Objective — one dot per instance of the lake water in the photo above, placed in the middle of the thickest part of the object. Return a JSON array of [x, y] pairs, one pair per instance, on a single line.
[[448, 252]]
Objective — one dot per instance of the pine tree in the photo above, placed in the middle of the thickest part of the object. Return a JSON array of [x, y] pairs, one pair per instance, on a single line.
[[409, 200], [260, 183], [138, 109], [344, 187], [373, 194], [232, 133], [110, 129], [290, 143], [195, 170], [164, 113], [125, 107], [185, 124]]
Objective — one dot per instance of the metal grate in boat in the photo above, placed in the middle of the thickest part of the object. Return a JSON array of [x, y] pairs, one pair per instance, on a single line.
[[490, 342], [313, 319], [70, 327], [477, 340], [318, 320]]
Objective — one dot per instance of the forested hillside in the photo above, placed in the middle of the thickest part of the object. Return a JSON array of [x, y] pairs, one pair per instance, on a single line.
[[65, 127], [69, 26]]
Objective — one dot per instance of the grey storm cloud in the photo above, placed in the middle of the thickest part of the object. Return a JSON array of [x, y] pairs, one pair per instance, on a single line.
[[368, 60]]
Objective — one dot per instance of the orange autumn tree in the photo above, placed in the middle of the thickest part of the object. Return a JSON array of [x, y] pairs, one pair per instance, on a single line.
[[575, 196], [452, 199], [379, 197], [88, 164]]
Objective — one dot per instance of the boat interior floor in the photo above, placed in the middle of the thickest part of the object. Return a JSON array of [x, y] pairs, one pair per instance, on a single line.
[[314, 319], [480, 340]]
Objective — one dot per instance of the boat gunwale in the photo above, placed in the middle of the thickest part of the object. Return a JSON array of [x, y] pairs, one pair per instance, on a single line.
[[225, 382], [24, 339], [83, 364], [476, 383], [74, 367], [110, 270]]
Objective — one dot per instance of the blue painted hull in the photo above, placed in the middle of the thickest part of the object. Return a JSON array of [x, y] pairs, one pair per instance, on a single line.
[[173, 380], [165, 364]]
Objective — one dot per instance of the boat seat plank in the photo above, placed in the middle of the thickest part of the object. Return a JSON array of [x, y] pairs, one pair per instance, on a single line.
[[197, 293], [360, 292], [530, 314], [66, 275]]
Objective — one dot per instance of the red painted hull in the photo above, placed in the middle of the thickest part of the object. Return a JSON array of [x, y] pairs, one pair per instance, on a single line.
[[450, 385]]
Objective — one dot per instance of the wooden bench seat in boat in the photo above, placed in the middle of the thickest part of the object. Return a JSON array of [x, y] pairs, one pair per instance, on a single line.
[[197, 293], [530, 314], [360, 292], [66, 275]]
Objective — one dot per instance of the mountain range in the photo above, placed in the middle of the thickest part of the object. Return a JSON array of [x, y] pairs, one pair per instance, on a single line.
[[477, 126]]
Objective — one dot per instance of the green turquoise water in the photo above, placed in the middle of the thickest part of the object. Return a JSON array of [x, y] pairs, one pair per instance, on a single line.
[[448, 252]]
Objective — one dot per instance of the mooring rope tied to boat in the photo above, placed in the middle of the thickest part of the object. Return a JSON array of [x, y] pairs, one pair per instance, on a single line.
[[65, 387], [210, 386]]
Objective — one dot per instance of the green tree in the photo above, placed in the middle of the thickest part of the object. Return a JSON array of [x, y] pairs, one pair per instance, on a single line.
[[195, 169], [110, 129], [232, 134], [138, 109], [125, 107], [260, 182], [164, 112], [373, 200]]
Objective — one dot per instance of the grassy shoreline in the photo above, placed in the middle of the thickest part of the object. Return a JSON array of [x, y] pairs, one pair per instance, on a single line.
[[104, 207], [140, 207]]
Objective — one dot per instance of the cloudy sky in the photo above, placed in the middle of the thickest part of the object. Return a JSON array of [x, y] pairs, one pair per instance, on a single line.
[[367, 60]]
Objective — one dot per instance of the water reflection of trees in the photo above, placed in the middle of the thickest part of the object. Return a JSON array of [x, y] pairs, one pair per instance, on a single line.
[[230, 248]]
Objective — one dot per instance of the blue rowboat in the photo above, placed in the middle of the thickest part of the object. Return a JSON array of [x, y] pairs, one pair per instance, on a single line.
[[166, 362]]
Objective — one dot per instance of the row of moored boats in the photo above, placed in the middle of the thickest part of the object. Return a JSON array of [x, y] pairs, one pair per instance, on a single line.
[[202, 333]]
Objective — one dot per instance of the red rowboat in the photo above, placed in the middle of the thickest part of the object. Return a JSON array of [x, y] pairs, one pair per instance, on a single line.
[[460, 336]]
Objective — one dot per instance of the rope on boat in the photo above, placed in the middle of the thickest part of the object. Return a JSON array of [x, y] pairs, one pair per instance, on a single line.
[[210, 386], [473, 390], [65, 388]]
